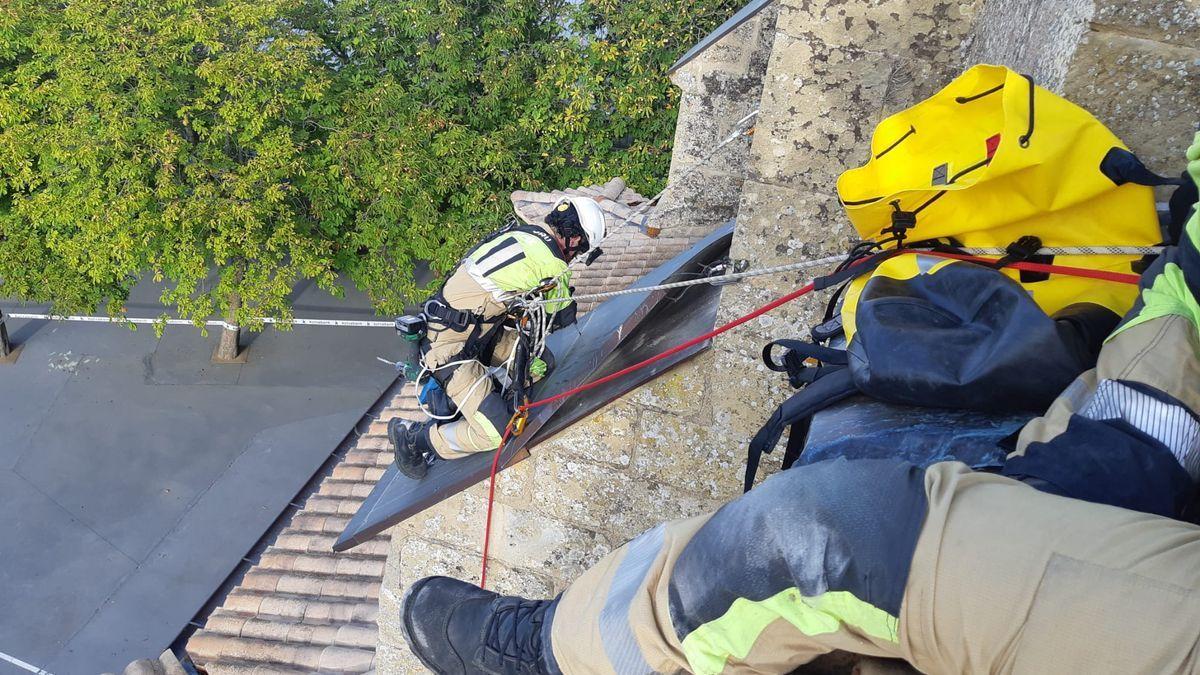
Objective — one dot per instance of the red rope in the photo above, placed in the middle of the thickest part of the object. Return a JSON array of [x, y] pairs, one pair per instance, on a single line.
[[1102, 275], [804, 290], [487, 528]]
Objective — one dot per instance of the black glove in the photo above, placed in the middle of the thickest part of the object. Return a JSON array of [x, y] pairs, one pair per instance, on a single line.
[[565, 316]]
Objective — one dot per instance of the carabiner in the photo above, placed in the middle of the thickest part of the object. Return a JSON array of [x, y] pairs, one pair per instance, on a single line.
[[516, 425]]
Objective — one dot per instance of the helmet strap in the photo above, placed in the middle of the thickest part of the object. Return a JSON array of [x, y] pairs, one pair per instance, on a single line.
[[596, 253]]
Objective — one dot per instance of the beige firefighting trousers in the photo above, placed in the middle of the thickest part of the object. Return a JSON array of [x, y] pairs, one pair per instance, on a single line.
[[470, 386]]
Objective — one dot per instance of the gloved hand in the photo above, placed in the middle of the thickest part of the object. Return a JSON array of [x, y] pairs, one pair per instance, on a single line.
[[537, 369], [565, 316]]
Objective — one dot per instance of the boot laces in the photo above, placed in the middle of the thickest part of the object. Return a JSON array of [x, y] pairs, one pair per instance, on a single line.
[[515, 630]]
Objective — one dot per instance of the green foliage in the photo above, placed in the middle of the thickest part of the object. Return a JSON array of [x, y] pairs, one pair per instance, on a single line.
[[233, 147]]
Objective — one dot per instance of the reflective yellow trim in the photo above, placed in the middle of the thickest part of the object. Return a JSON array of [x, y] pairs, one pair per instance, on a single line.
[[1169, 294], [493, 434], [733, 634], [1193, 167]]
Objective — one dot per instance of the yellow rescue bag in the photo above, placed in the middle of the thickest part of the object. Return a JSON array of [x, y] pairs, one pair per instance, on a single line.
[[992, 158]]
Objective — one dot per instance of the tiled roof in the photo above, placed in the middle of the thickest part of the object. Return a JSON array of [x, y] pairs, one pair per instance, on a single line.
[[628, 252], [300, 607]]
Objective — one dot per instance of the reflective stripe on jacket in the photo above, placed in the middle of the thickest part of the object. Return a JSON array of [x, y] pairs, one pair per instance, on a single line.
[[520, 260]]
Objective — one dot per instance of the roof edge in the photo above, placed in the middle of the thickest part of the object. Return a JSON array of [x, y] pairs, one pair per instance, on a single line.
[[742, 16]]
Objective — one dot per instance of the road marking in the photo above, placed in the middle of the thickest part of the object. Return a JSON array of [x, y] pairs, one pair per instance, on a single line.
[[21, 664], [184, 322]]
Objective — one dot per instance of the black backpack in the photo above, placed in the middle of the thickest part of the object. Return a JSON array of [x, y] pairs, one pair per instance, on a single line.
[[961, 336]]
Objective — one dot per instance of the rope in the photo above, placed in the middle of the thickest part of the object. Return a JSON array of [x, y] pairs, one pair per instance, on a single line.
[[829, 260], [518, 419], [487, 528], [719, 279]]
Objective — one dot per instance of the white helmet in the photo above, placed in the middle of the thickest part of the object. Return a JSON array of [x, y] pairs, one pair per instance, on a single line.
[[591, 219]]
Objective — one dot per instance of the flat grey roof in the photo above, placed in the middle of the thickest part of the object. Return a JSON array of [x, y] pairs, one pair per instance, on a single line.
[[135, 473]]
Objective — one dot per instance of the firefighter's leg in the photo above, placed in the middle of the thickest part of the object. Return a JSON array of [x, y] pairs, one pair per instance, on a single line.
[[484, 414], [1007, 578], [1127, 432], [506, 344], [814, 559], [951, 570]]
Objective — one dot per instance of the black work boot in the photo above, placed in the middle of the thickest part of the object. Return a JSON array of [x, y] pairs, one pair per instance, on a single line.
[[457, 628], [410, 442]]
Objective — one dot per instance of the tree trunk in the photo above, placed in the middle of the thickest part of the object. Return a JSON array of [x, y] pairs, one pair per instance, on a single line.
[[227, 348], [5, 347]]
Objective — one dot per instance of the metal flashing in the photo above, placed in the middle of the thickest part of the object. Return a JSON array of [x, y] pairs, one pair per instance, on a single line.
[[743, 15]]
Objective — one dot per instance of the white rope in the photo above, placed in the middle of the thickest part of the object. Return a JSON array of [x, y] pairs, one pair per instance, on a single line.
[[1076, 250], [735, 277], [184, 322], [22, 664], [719, 279]]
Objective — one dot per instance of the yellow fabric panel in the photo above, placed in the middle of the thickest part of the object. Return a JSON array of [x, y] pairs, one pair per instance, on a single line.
[[1051, 188], [899, 268], [733, 634]]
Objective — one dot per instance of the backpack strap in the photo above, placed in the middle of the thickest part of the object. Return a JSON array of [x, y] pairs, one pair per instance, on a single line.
[[835, 385], [794, 356]]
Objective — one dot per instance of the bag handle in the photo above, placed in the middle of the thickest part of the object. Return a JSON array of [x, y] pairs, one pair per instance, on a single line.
[[1023, 139]]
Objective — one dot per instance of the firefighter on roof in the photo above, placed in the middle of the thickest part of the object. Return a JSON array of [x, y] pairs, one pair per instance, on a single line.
[[471, 339]]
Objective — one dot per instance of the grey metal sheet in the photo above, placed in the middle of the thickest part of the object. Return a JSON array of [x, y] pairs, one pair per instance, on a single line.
[[743, 15], [608, 338]]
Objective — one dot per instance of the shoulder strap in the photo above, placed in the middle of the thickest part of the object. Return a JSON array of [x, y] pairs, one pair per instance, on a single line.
[[793, 360], [822, 393]]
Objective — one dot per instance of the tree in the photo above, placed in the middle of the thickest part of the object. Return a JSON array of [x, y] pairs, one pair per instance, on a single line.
[[163, 137], [233, 147], [447, 106]]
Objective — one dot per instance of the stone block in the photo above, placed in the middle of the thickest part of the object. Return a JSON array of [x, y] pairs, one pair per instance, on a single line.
[[792, 320], [606, 437], [536, 541], [1174, 22], [690, 454], [601, 498], [780, 225], [759, 392], [457, 521], [1144, 91], [681, 388]]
